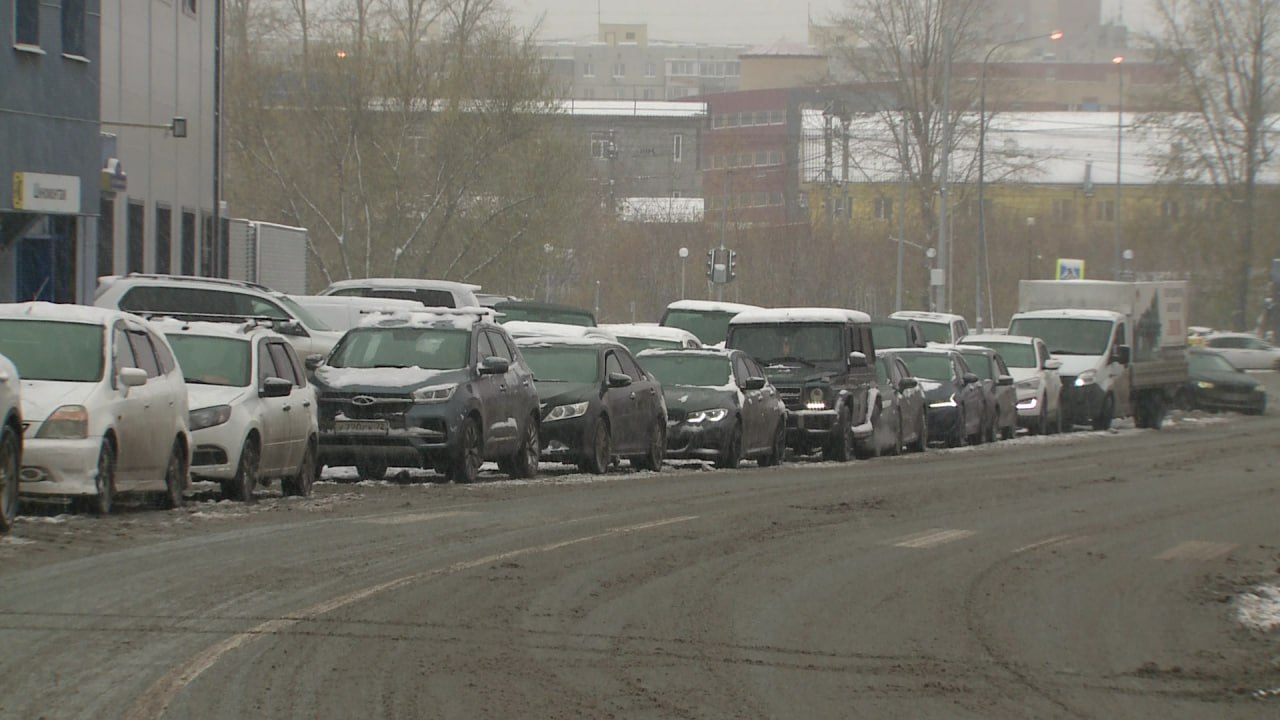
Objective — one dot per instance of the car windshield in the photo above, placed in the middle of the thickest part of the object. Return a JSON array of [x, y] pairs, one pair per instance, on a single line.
[[1200, 363], [53, 350], [889, 336], [308, 318], [1066, 336], [711, 326], [809, 343], [979, 363], [558, 363], [697, 370], [562, 316], [207, 360], [637, 344], [929, 367], [1019, 355], [402, 347], [939, 332]]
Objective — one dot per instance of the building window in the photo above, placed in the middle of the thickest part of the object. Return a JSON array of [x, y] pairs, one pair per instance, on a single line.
[[208, 246], [73, 27], [26, 22], [602, 147], [619, 70], [1106, 211], [136, 227], [620, 93], [188, 242], [106, 237], [884, 209], [1170, 209], [588, 70], [677, 147], [588, 93], [650, 69], [1062, 210], [164, 239], [677, 194]]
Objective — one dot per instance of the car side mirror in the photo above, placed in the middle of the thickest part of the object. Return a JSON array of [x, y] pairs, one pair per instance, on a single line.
[[619, 380], [754, 383], [1004, 380], [494, 366], [275, 387], [970, 378], [289, 327], [1122, 354], [133, 377], [907, 383], [857, 360], [314, 361], [1053, 364]]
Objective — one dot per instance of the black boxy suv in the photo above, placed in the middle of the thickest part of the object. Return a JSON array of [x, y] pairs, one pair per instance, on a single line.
[[445, 389], [822, 360]]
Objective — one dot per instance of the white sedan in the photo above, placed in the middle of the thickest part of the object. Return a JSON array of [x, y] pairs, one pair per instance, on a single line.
[[1245, 351], [104, 404], [10, 442], [1035, 378], [253, 414]]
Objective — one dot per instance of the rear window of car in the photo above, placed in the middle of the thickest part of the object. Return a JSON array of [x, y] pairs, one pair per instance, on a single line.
[[563, 364], [53, 350]]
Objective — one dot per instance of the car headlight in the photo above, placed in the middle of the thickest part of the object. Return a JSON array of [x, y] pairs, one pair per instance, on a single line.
[[69, 422], [1088, 377], [1030, 403], [208, 417], [817, 400], [701, 416], [435, 394], [1204, 385], [566, 412], [950, 402]]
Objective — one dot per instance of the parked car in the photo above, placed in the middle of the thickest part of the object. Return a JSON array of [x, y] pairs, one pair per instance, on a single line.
[[1245, 351], [597, 403], [904, 418], [10, 442], [639, 337], [709, 321], [822, 362], [491, 299], [201, 298], [253, 416], [343, 312], [525, 310], [1216, 384], [720, 406], [1035, 379], [104, 403], [430, 293], [897, 333], [998, 393], [445, 389], [952, 391], [529, 328], [942, 328]]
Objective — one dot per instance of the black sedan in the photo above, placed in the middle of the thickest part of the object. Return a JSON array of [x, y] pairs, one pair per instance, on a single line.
[[903, 420], [720, 406], [952, 391], [597, 403], [997, 390], [1216, 384]]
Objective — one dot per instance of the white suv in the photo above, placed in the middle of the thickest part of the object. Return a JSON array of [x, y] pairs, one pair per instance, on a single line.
[[431, 293], [941, 328], [10, 442], [201, 298], [253, 415], [104, 404]]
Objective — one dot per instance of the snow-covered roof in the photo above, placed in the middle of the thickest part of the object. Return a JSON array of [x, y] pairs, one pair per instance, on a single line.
[[661, 209], [544, 341], [632, 108], [1070, 313], [88, 314], [652, 332], [531, 328], [1007, 339], [1046, 148], [238, 331], [799, 315], [925, 316], [415, 283], [461, 318], [785, 47], [711, 306], [685, 352]]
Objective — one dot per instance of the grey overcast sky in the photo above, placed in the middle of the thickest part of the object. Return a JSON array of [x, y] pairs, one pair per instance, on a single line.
[[716, 21]]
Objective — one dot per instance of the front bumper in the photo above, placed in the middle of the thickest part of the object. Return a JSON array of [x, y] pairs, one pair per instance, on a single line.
[[217, 452], [424, 434], [699, 441], [563, 440], [808, 429], [1030, 408], [1082, 403], [59, 467], [943, 421], [1229, 400]]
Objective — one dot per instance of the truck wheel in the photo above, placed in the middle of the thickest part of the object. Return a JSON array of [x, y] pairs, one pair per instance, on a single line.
[[1103, 419], [1151, 411]]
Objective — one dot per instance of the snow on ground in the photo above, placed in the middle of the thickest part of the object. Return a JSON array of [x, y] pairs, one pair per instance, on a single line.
[[1260, 609]]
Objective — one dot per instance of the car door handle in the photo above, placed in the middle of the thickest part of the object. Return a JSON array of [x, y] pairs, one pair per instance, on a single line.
[[306, 404], [287, 408], [633, 396]]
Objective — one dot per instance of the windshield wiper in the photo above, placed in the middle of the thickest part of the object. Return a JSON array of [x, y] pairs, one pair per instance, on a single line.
[[390, 367], [789, 359]]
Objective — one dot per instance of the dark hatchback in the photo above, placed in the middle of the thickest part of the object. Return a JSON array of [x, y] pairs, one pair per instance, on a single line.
[[597, 403], [720, 407], [904, 419], [445, 389], [1216, 384], [997, 391], [952, 392], [543, 312]]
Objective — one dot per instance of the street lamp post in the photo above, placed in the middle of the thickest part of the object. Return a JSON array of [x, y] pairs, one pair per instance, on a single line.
[[980, 276], [1119, 62], [684, 255]]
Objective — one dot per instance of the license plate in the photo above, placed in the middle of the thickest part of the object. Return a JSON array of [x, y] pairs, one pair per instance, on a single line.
[[361, 427]]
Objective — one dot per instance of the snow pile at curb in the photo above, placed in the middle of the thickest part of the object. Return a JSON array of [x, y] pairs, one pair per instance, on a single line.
[[1260, 609]]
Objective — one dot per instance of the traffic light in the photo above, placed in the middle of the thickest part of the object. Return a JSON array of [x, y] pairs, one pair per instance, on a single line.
[[733, 262], [711, 263]]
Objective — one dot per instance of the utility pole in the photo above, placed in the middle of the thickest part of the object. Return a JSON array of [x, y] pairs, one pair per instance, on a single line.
[[1119, 63], [902, 215], [943, 300]]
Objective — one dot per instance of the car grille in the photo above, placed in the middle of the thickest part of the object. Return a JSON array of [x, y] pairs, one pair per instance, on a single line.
[[1068, 381], [790, 395], [676, 415], [365, 406]]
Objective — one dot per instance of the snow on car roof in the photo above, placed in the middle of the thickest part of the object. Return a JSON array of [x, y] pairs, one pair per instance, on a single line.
[[653, 332], [931, 350], [1010, 339], [416, 283], [533, 328], [560, 340], [63, 312], [925, 316], [240, 331], [711, 306], [799, 315], [1070, 313], [459, 318], [707, 351]]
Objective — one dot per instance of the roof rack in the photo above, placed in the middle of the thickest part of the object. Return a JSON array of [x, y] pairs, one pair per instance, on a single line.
[[199, 278], [247, 322]]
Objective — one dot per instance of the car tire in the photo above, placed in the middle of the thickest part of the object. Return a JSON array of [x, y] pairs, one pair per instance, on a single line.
[[897, 437], [300, 483], [1103, 419], [958, 434], [598, 452], [657, 448], [731, 456], [10, 467], [1009, 431], [922, 433], [103, 500], [248, 471], [465, 465], [175, 477], [840, 446], [371, 468], [779, 449], [524, 463], [992, 430]]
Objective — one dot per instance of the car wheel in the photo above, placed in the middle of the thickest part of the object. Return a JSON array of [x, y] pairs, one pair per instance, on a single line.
[[175, 477], [959, 433], [300, 483], [103, 499], [732, 453], [779, 449], [10, 466], [896, 448], [1104, 417], [241, 487], [840, 445], [990, 431], [657, 449], [465, 467], [371, 468], [599, 452], [922, 432], [870, 448], [524, 463], [1011, 429]]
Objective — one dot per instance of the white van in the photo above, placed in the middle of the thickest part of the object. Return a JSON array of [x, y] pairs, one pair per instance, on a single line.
[[343, 312], [432, 293]]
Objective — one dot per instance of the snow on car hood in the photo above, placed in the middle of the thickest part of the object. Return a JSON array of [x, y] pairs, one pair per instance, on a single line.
[[42, 397], [378, 377], [701, 397], [203, 396], [928, 385]]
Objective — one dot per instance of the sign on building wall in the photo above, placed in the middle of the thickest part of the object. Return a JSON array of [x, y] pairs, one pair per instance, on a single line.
[[44, 193], [1070, 269]]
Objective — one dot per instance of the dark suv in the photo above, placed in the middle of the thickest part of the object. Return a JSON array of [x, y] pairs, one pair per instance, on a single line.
[[443, 389], [822, 360]]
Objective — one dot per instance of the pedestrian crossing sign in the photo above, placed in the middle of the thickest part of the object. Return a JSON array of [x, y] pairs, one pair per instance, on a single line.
[[1070, 269]]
